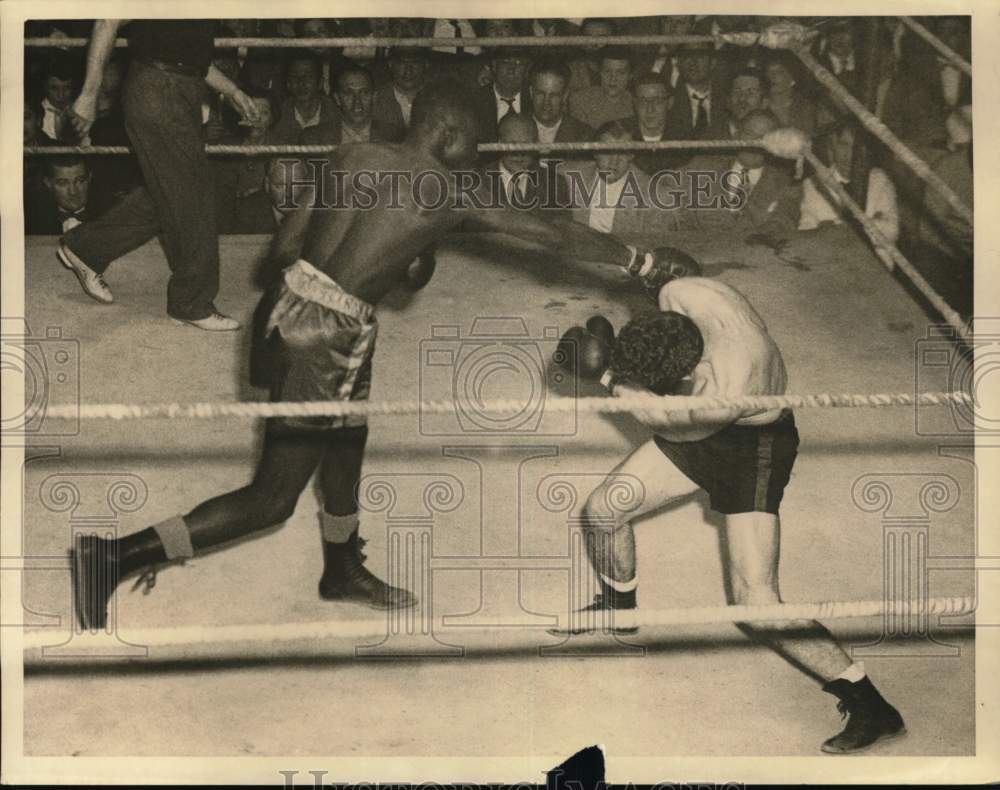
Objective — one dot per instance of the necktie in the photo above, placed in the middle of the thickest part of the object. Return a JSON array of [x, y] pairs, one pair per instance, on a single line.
[[509, 109], [700, 113]]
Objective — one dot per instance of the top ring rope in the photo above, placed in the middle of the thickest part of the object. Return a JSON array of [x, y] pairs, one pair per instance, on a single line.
[[946, 52], [250, 150], [359, 41], [592, 405]]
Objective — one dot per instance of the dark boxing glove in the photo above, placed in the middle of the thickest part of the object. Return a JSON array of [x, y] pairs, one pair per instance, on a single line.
[[660, 266], [419, 273], [586, 352]]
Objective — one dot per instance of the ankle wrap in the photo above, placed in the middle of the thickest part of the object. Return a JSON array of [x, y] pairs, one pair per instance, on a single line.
[[338, 529]]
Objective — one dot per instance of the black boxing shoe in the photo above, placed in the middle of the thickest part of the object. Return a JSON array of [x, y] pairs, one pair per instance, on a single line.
[[599, 616], [345, 578], [870, 718], [94, 564]]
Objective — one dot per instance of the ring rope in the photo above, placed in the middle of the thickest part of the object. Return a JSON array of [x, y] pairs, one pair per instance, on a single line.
[[590, 405], [947, 52], [418, 41], [272, 633], [887, 251], [250, 150], [880, 130]]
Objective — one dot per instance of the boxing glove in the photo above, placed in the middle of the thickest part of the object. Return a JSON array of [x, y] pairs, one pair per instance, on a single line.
[[660, 266], [583, 354]]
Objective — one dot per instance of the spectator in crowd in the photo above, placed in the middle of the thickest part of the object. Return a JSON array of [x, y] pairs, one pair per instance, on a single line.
[[33, 134], [64, 199], [652, 103], [549, 90], [663, 60], [329, 59], [508, 93], [746, 94], [305, 106], [698, 111], [585, 67], [354, 95], [838, 53], [789, 104], [755, 194], [393, 102], [493, 28], [285, 182], [59, 88], [523, 181], [609, 100], [821, 207], [929, 88], [612, 195], [242, 204], [941, 228]]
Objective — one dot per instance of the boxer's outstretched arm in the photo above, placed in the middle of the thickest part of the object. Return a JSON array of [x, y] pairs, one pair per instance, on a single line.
[[568, 239]]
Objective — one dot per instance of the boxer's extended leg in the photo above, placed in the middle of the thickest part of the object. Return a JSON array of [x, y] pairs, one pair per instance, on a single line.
[[345, 578], [753, 551], [643, 482], [288, 460]]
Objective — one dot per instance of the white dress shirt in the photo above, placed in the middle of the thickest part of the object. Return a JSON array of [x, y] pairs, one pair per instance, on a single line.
[[502, 104], [750, 176], [313, 120], [455, 28], [547, 134], [52, 122], [820, 206], [603, 204], [348, 134], [693, 97], [507, 179]]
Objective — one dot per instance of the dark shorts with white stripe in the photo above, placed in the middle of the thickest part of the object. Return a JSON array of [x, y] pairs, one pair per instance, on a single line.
[[744, 468]]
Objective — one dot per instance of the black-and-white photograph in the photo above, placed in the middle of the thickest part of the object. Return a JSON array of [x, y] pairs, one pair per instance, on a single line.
[[411, 398]]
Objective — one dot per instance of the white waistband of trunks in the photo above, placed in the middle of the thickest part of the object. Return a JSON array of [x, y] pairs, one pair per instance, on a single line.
[[310, 283]]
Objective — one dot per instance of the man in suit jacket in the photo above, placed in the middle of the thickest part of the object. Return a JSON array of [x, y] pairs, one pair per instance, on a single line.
[[63, 199], [508, 93], [652, 103], [306, 106], [755, 195], [392, 102], [698, 110], [549, 91], [354, 94], [519, 179], [612, 195]]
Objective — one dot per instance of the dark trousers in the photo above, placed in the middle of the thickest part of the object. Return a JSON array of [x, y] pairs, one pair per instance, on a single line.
[[163, 122]]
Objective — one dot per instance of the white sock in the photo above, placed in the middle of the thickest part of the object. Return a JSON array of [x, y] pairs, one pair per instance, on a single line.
[[854, 673], [622, 587]]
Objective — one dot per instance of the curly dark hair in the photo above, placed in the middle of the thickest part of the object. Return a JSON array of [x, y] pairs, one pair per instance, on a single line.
[[657, 350]]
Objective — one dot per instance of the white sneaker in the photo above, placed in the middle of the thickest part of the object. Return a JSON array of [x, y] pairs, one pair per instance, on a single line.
[[92, 283], [216, 322]]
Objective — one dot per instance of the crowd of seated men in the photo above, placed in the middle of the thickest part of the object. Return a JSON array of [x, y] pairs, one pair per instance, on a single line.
[[566, 95]]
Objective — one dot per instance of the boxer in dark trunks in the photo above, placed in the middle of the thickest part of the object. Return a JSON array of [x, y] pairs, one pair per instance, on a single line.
[[317, 343], [707, 339]]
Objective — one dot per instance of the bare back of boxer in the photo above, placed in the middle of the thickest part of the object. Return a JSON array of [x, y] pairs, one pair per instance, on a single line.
[[740, 357]]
